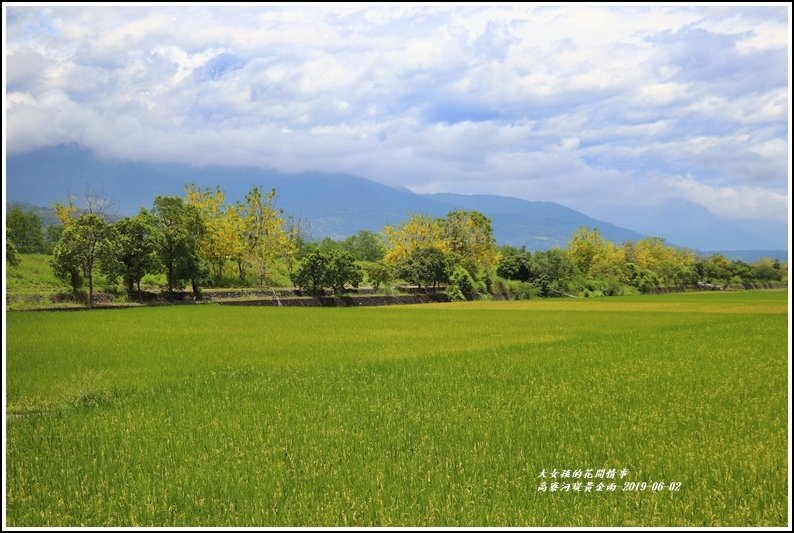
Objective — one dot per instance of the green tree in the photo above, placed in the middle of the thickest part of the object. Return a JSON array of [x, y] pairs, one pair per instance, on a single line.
[[12, 255], [715, 269], [51, 237], [426, 267], [26, 231], [342, 270], [461, 284], [311, 272], [554, 264], [514, 263], [83, 245], [135, 245], [181, 226], [365, 246], [379, 274], [766, 269]]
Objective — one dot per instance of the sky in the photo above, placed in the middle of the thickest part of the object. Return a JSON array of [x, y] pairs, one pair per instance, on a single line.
[[591, 107]]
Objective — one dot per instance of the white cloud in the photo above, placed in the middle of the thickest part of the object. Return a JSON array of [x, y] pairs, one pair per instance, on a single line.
[[742, 202], [580, 105]]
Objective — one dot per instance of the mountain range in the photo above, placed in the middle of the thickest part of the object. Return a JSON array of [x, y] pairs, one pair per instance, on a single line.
[[338, 205]]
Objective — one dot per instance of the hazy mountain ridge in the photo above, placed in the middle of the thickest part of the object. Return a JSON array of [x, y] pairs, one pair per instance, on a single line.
[[334, 205]]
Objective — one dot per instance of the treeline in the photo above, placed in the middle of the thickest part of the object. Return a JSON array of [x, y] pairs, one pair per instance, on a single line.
[[200, 240], [592, 265]]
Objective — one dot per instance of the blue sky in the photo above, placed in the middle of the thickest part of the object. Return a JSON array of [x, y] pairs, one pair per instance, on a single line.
[[592, 107]]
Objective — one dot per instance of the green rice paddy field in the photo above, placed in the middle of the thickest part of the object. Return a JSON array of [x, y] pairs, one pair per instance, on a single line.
[[442, 414]]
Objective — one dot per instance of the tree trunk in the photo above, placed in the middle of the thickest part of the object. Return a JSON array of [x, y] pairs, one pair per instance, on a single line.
[[170, 276], [90, 289], [196, 289], [75, 283]]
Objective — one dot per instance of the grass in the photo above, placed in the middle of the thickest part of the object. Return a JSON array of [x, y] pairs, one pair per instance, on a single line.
[[34, 273], [442, 414]]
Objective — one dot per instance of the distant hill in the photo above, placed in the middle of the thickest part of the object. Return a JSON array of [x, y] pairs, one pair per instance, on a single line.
[[45, 214], [681, 221], [749, 256], [552, 224], [336, 205]]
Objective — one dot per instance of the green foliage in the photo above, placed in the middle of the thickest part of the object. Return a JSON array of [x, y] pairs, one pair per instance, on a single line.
[[461, 284], [200, 235], [342, 270], [84, 244], [136, 243], [333, 269], [311, 272], [12, 255], [51, 237], [425, 267], [439, 416], [515, 264], [34, 274], [25, 230], [512, 289], [364, 246], [551, 265], [470, 236], [379, 274], [643, 279], [180, 225], [264, 237], [766, 269]]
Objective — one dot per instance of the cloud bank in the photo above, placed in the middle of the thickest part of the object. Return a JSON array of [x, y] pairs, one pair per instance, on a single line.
[[592, 107]]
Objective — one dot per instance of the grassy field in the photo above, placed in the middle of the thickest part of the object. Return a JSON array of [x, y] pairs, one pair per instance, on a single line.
[[441, 414]]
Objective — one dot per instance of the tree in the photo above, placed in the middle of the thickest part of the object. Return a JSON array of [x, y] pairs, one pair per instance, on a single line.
[[342, 270], [311, 272], [66, 265], [671, 266], [461, 284], [262, 233], [715, 269], [583, 247], [420, 231], [51, 237], [425, 267], [66, 213], [766, 269], [379, 274], [181, 227], [26, 231], [552, 270], [587, 249], [294, 229], [221, 237], [12, 255], [470, 235], [365, 246], [84, 244], [514, 264], [333, 269], [136, 243]]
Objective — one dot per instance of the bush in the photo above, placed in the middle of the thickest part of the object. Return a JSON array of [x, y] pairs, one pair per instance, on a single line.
[[462, 280], [379, 274], [513, 290]]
